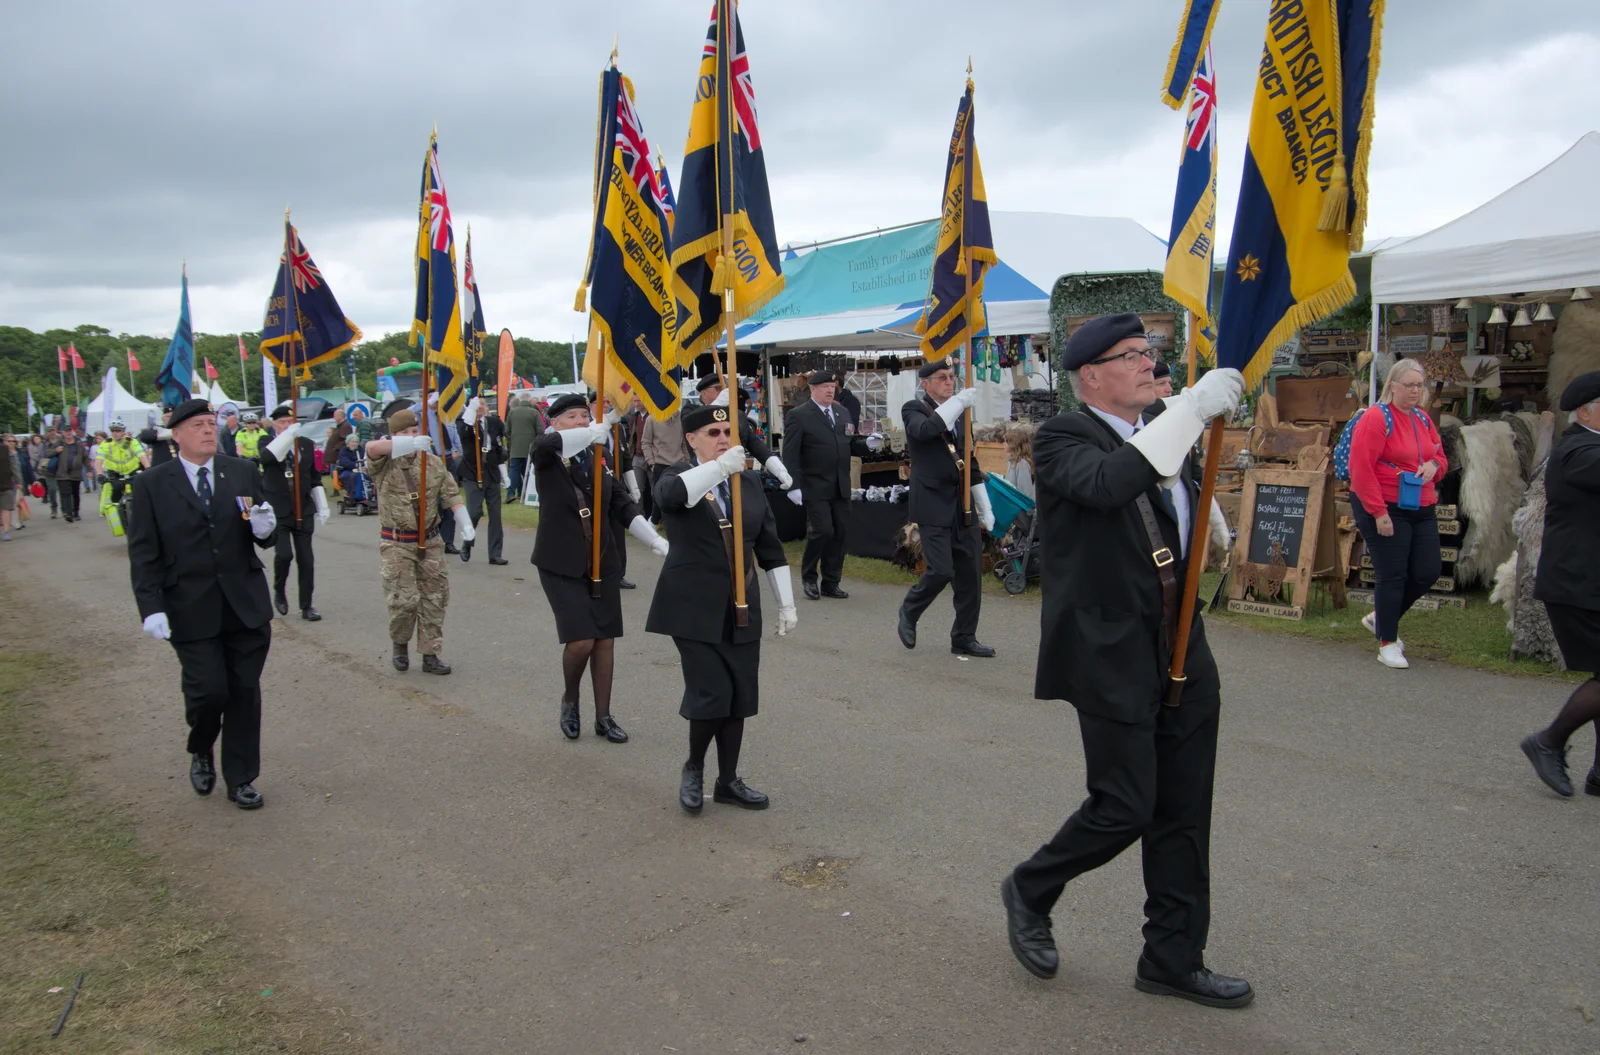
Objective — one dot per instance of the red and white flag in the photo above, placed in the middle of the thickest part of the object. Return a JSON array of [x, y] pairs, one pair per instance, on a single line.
[[61, 360], [211, 371], [133, 364], [77, 360], [244, 356]]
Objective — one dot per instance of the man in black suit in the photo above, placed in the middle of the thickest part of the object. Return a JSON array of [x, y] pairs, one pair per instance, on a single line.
[[281, 476], [482, 472], [936, 429], [157, 439], [1115, 497], [819, 439], [196, 523]]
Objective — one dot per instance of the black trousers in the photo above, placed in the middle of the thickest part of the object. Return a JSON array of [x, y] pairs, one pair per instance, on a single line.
[[447, 525], [222, 694], [294, 546], [477, 498], [68, 490], [825, 527], [1406, 564], [1150, 781], [954, 558]]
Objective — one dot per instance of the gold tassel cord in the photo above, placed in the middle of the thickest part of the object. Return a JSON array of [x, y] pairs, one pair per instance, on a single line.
[[1335, 199], [719, 276], [1335, 196]]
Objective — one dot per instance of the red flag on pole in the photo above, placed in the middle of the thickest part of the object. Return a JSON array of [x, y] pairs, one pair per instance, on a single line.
[[211, 371], [133, 364], [77, 360], [244, 356], [61, 360]]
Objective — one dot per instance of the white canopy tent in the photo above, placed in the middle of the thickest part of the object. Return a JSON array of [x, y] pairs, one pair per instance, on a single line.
[[133, 412]]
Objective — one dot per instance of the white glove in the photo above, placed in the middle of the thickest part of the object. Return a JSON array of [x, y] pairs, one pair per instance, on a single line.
[[262, 519], [703, 477], [283, 441], [575, 441], [951, 409], [775, 466], [631, 482], [464, 524], [980, 499], [404, 445], [156, 626], [320, 500], [163, 433], [641, 529], [721, 400], [1217, 393], [1166, 441], [794, 496], [1219, 541], [505, 477], [733, 461], [783, 590], [474, 408], [875, 441], [610, 419]]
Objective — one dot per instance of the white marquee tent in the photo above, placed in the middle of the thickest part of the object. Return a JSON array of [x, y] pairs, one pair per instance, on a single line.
[[132, 411]]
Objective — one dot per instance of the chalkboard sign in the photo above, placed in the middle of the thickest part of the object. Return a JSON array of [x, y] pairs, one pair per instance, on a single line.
[[1279, 516]]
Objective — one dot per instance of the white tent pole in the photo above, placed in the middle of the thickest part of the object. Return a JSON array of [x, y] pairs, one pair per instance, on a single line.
[[1372, 381]]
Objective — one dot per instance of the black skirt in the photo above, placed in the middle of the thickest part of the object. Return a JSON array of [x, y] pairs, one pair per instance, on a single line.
[[580, 617], [720, 680], [1577, 631]]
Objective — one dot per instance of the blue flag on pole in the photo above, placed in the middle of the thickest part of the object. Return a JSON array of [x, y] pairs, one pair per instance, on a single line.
[[304, 324], [1193, 44], [177, 369], [476, 330], [437, 319]]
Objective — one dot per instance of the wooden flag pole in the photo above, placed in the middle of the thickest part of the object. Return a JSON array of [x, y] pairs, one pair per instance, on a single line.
[[1188, 332], [741, 609], [291, 318], [597, 467], [422, 477]]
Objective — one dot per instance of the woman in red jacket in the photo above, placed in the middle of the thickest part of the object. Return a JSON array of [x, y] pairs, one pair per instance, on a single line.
[[1389, 453]]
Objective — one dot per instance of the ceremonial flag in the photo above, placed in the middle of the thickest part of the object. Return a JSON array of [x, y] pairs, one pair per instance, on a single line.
[[1194, 211], [133, 364], [630, 309], [964, 240], [77, 360], [269, 383], [177, 369], [61, 359], [472, 316], [437, 319], [1193, 45], [724, 178], [1299, 215], [244, 356], [669, 204], [304, 324], [211, 371]]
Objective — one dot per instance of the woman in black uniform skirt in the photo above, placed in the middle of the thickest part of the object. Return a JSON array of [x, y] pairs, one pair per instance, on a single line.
[[694, 600], [587, 626], [1568, 581]]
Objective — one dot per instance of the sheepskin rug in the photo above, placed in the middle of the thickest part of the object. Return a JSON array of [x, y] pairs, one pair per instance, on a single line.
[[1491, 491], [1529, 625], [1575, 350]]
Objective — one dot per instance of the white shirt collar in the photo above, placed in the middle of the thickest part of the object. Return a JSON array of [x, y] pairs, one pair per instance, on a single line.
[[1123, 427], [826, 410], [193, 472]]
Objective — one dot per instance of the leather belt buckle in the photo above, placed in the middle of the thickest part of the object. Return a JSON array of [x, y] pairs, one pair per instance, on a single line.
[[1163, 557], [413, 496], [585, 512], [724, 524]]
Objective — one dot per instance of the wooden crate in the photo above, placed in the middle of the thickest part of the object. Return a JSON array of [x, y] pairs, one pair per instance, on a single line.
[[1315, 399]]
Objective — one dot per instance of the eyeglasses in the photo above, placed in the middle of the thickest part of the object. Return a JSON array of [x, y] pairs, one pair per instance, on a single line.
[[1411, 386], [1132, 357], [714, 432]]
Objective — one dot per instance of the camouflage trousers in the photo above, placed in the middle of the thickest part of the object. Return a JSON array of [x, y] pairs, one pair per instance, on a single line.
[[417, 589]]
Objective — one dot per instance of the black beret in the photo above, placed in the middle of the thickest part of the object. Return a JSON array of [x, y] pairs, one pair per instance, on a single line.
[[822, 377], [932, 367], [698, 417], [706, 382], [284, 411], [567, 402], [1097, 337], [396, 406], [1163, 368], [187, 409], [1584, 389]]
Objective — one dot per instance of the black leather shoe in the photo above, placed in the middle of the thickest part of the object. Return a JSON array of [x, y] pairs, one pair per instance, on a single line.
[[498, 561], [1591, 784], [402, 657], [466, 552], [1550, 765], [626, 585], [434, 665], [1204, 986], [607, 727], [1031, 941], [310, 615], [202, 773], [450, 547], [691, 787], [280, 602], [908, 630], [811, 590], [835, 592], [972, 648], [569, 720], [246, 797], [735, 793]]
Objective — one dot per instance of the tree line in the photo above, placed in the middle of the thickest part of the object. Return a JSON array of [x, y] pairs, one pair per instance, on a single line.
[[28, 362]]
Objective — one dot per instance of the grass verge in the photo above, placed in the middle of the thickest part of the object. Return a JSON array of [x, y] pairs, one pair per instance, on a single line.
[[77, 894]]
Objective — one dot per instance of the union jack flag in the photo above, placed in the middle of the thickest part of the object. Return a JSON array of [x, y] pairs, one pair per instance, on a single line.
[[1203, 105], [438, 206], [744, 93], [636, 150], [303, 273]]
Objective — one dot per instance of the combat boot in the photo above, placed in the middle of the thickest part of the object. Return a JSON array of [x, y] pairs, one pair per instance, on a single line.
[[434, 665], [402, 656]]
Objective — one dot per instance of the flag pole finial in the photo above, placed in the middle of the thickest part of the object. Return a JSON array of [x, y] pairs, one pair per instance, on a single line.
[[613, 50]]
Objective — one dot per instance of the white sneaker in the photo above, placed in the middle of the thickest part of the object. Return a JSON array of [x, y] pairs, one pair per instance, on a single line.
[[1370, 621], [1392, 655]]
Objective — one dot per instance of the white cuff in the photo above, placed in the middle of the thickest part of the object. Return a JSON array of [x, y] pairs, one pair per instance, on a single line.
[[401, 446], [779, 471], [281, 443], [574, 442], [782, 586], [1167, 440], [464, 524], [950, 412], [700, 479], [163, 433]]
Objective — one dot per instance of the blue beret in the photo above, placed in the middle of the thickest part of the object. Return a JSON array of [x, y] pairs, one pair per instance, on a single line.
[[1097, 337], [1584, 389]]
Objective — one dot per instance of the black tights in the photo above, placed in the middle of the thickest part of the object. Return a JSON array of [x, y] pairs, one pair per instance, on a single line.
[[1581, 708], [729, 735], [600, 657]]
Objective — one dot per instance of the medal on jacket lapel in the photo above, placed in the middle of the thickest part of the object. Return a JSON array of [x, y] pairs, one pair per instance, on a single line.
[[245, 502]]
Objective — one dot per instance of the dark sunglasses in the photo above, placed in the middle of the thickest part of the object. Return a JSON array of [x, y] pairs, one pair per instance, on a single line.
[[723, 431]]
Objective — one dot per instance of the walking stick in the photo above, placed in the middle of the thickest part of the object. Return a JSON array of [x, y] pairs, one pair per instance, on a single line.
[[597, 465]]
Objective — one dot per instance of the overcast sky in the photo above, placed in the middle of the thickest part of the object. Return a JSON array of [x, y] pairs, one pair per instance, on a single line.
[[143, 135]]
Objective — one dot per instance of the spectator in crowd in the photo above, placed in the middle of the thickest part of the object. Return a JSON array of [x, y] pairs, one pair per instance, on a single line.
[[349, 461], [524, 424], [10, 485], [1019, 457], [227, 442], [361, 424], [70, 458], [1395, 457], [45, 466], [334, 447]]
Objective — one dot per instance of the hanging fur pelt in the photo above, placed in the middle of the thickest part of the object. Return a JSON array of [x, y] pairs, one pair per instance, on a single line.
[[908, 549], [1529, 625], [1524, 427], [1575, 350], [1491, 490]]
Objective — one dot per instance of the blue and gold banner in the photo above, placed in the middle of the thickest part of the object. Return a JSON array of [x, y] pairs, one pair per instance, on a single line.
[[964, 240], [472, 319], [724, 180], [304, 324], [1193, 44], [669, 204], [437, 318], [630, 307], [1193, 236], [1302, 199]]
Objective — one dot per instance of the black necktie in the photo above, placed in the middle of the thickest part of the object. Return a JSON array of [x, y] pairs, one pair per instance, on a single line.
[[204, 490], [726, 498]]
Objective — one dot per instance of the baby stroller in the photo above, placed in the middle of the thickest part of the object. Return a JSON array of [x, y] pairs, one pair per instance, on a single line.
[[1016, 525], [359, 495]]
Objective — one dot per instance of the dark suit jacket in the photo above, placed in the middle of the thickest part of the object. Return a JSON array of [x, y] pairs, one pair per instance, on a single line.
[[1569, 563], [275, 485], [490, 431], [558, 546], [188, 565], [935, 499], [1101, 644], [694, 594], [226, 444], [817, 454], [161, 451]]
